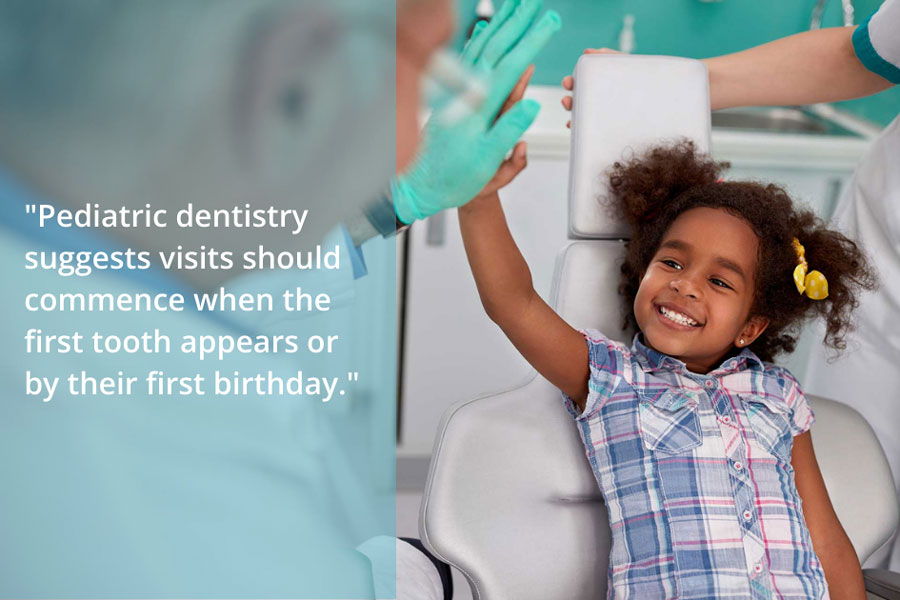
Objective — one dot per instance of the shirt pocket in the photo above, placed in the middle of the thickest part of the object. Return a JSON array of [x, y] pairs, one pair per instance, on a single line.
[[770, 422], [669, 422]]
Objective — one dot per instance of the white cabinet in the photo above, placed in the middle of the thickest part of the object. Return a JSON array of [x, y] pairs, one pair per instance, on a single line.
[[819, 189]]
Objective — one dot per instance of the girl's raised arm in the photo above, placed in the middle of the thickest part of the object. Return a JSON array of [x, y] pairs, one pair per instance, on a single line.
[[551, 345]]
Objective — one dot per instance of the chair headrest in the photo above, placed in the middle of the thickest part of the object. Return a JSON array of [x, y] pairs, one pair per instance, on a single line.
[[623, 105]]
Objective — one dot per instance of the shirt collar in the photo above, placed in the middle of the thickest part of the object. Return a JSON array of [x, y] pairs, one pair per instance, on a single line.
[[657, 361]]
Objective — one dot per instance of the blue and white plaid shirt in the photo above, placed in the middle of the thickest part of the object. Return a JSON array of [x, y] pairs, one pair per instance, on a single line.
[[696, 473]]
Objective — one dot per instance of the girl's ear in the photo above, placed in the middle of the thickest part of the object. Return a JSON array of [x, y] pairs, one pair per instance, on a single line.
[[753, 328]]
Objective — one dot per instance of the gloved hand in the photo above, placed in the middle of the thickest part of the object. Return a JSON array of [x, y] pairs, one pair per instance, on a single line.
[[457, 160]]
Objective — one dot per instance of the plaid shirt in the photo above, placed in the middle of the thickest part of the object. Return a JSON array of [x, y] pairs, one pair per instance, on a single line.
[[696, 473]]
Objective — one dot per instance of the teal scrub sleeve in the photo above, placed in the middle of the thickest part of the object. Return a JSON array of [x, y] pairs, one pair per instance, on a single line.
[[867, 45]]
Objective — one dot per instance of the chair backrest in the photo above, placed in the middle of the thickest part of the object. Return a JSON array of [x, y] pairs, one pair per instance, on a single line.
[[623, 105], [512, 503], [510, 499]]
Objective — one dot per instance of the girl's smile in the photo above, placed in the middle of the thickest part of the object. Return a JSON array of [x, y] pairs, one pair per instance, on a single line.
[[673, 315]]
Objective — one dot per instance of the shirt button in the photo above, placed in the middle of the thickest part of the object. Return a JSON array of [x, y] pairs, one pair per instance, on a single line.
[[757, 567], [748, 515], [726, 419], [709, 383], [738, 466]]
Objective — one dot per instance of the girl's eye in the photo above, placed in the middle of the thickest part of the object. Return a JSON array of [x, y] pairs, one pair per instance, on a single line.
[[670, 263], [720, 283]]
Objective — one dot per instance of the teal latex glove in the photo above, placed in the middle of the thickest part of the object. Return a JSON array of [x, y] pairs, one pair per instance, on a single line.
[[458, 159]]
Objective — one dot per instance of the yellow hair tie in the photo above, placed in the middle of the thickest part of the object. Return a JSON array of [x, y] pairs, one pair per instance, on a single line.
[[813, 283]]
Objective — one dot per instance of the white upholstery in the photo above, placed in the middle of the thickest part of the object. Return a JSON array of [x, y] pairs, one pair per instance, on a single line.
[[857, 475], [591, 268], [513, 467], [510, 498], [622, 105]]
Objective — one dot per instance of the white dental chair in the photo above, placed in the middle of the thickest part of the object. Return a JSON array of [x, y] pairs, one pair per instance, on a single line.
[[510, 498]]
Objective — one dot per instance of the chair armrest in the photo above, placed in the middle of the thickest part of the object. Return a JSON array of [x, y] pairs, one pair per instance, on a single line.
[[882, 583]]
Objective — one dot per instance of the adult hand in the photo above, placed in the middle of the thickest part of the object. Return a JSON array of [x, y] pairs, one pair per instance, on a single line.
[[458, 159], [518, 158], [569, 81]]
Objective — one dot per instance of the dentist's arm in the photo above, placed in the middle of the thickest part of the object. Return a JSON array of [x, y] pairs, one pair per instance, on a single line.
[[549, 344], [809, 67], [813, 66]]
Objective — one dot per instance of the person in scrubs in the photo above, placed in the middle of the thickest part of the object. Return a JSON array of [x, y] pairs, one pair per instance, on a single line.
[[212, 104], [209, 104]]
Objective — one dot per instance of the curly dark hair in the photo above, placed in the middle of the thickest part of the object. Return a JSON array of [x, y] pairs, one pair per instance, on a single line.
[[652, 190]]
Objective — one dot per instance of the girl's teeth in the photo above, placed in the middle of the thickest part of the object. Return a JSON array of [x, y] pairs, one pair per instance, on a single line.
[[677, 317]]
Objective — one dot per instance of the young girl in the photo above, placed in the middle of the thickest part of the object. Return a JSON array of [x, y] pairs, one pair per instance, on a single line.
[[690, 431]]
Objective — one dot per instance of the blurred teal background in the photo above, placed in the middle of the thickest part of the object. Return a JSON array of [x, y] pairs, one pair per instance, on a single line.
[[687, 28]]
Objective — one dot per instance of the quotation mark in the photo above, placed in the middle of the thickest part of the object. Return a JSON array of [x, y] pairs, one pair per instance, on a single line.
[[30, 209], [351, 376]]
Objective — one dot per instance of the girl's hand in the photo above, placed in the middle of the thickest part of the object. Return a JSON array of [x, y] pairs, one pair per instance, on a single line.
[[568, 81]]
